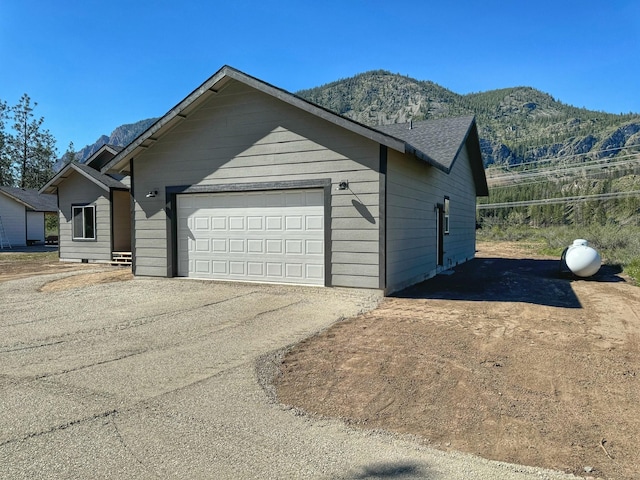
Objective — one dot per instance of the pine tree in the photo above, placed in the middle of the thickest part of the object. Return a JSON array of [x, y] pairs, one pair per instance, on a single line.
[[70, 155], [31, 149], [6, 172]]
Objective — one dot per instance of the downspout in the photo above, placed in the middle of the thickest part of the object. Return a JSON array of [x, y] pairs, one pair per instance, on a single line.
[[132, 219], [382, 224]]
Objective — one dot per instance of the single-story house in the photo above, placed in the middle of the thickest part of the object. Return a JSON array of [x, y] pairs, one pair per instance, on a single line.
[[243, 181], [94, 213], [22, 216]]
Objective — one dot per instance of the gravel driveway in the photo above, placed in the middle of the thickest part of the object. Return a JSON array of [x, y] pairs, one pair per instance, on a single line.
[[156, 378]]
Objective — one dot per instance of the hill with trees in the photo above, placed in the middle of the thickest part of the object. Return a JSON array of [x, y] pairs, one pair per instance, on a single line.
[[516, 125]]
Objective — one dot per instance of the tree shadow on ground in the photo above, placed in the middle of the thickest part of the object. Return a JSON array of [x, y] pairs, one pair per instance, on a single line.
[[507, 280], [396, 471]]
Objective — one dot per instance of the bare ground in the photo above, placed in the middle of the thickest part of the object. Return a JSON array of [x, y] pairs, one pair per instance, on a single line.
[[506, 359], [20, 265]]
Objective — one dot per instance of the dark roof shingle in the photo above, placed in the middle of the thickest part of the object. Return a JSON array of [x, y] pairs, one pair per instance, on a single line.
[[32, 199], [439, 142], [440, 139], [103, 180]]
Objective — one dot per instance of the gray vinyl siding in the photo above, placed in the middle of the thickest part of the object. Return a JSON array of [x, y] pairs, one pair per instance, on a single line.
[[14, 221], [77, 190], [413, 191], [243, 136], [460, 244]]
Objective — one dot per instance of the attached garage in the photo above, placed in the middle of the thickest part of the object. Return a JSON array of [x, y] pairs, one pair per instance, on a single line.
[[266, 236], [243, 181]]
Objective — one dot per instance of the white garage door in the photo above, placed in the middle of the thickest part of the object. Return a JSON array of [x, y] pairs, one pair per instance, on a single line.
[[275, 236]]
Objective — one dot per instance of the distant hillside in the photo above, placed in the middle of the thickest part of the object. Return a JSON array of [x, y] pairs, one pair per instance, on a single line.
[[516, 125]]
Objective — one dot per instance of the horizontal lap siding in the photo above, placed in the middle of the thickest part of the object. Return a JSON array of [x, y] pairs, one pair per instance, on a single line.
[[78, 190], [460, 244], [413, 191], [243, 136]]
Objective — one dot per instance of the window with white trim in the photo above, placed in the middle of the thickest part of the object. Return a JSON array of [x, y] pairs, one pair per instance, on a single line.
[[84, 222], [446, 215]]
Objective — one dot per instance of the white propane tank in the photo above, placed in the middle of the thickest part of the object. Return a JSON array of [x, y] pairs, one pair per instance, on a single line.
[[581, 259]]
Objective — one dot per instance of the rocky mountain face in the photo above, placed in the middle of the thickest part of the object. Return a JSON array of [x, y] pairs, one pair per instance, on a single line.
[[516, 125], [121, 136]]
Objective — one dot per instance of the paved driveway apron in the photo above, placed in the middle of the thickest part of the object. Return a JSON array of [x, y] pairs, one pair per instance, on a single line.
[[156, 378]]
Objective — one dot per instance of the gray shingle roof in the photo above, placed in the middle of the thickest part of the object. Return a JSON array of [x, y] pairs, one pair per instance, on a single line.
[[439, 139], [104, 181], [439, 142], [100, 177], [32, 199]]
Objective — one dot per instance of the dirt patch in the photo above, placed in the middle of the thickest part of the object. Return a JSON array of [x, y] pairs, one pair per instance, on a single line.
[[506, 359], [21, 265], [84, 279]]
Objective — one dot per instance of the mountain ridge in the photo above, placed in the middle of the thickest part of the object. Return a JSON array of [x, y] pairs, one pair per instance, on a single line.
[[516, 124]]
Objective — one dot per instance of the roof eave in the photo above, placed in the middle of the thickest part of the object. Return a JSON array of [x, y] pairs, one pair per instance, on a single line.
[[477, 164], [60, 176], [16, 199], [425, 158]]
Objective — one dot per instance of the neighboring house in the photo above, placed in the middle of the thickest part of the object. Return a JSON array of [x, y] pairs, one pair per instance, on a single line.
[[23, 213], [94, 213], [245, 181]]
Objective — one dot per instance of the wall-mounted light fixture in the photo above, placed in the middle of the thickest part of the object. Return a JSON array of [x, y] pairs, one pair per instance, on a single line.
[[343, 185], [152, 194]]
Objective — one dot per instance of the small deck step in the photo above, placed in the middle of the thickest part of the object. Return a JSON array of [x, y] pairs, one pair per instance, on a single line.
[[121, 258]]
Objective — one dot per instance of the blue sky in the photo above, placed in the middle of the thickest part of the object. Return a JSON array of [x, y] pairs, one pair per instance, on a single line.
[[92, 65]]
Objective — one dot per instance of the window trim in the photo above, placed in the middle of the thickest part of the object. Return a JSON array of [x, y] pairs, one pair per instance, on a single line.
[[83, 237], [446, 207]]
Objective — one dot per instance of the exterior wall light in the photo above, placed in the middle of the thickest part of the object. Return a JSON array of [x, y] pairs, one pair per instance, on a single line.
[[343, 185], [152, 194]]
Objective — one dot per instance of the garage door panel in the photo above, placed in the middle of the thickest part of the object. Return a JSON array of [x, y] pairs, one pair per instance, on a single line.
[[314, 222], [203, 266], [314, 247], [293, 222], [202, 245], [293, 247], [274, 270], [255, 223], [294, 270], [255, 269], [236, 223], [201, 223], [237, 268], [261, 236], [236, 245], [315, 271], [274, 223], [219, 223], [219, 245]]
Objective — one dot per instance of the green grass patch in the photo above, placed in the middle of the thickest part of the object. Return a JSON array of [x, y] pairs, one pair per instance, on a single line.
[[633, 270], [41, 257]]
